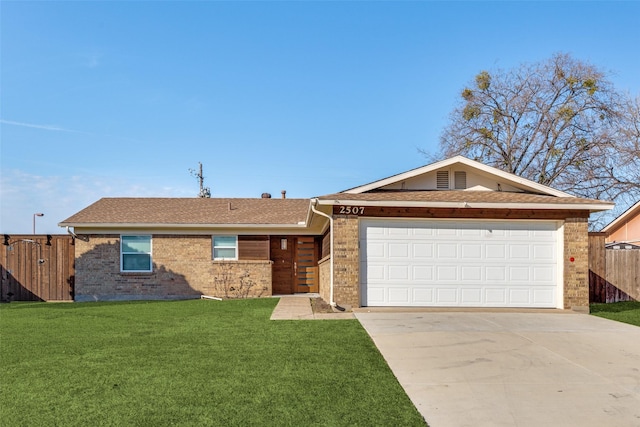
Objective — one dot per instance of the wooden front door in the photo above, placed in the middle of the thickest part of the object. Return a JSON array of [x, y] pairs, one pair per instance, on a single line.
[[305, 265], [282, 256], [295, 265]]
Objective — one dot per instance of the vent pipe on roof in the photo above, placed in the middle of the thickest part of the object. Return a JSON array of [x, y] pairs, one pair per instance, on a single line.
[[284, 194], [266, 195]]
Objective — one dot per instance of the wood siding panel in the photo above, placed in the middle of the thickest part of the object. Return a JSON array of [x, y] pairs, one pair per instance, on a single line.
[[253, 247], [325, 245], [37, 268]]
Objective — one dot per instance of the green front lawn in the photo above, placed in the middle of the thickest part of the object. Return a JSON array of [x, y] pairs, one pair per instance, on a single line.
[[627, 312], [190, 363]]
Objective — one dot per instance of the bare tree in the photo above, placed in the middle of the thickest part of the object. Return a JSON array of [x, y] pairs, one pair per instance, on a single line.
[[558, 122]]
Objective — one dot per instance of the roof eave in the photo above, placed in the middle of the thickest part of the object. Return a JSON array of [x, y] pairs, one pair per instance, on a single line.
[[592, 207], [176, 226], [629, 212]]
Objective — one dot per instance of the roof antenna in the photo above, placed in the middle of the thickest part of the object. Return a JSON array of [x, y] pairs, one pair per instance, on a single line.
[[205, 192]]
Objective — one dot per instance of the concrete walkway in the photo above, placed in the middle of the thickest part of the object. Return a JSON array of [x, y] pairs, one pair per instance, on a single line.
[[512, 369], [298, 307]]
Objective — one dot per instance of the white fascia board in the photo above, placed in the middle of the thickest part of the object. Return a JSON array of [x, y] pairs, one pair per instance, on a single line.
[[528, 184], [199, 229], [621, 218], [197, 232], [475, 205]]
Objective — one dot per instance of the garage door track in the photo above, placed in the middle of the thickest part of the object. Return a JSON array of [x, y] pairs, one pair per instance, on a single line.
[[512, 369]]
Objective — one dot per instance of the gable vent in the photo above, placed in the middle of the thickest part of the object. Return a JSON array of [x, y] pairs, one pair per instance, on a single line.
[[442, 180], [460, 180]]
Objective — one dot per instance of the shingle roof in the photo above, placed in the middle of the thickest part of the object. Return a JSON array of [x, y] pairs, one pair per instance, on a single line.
[[443, 196], [191, 211]]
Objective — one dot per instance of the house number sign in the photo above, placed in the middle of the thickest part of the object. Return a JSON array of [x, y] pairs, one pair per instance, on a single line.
[[351, 210]]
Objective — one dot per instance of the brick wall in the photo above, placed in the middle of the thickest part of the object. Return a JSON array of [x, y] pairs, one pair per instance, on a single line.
[[240, 279], [182, 268], [346, 278], [576, 273]]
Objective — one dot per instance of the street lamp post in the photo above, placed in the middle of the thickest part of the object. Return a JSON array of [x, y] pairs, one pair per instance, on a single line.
[[34, 221]]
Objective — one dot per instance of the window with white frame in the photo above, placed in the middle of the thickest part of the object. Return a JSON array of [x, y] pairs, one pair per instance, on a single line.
[[135, 253], [225, 247]]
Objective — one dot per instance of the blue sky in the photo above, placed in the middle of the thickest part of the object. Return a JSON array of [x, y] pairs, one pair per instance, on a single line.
[[111, 99]]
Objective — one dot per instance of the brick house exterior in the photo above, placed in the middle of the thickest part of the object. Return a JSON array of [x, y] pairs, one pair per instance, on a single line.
[[260, 247]]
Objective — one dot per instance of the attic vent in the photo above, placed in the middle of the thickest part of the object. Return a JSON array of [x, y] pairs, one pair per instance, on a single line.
[[442, 180], [460, 180]]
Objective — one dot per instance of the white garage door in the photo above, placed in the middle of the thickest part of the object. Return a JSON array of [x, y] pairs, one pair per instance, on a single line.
[[459, 263]]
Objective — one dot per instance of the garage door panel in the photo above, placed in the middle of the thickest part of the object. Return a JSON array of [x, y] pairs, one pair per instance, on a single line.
[[543, 234], [471, 296], [398, 231], [520, 296], [495, 296], [544, 296], [447, 296], [399, 295], [374, 232], [422, 250], [423, 295], [519, 233], [451, 263], [471, 251], [543, 274], [398, 272], [519, 251], [374, 273], [495, 252], [398, 250], [422, 273], [496, 232], [446, 273], [470, 233], [447, 250], [471, 273], [445, 232], [545, 252], [377, 251], [375, 295], [496, 274], [423, 231], [519, 274]]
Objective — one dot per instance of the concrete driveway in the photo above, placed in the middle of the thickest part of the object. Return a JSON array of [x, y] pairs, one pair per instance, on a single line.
[[512, 369]]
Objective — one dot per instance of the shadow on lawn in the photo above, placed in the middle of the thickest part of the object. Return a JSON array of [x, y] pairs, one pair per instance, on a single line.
[[615, 307]]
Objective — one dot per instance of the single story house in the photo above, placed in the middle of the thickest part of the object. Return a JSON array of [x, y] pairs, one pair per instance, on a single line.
[[624, 231], [455, 233]]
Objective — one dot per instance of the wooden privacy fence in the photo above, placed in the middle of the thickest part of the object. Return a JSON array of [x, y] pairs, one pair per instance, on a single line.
[[37, 268], [614, 274]]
